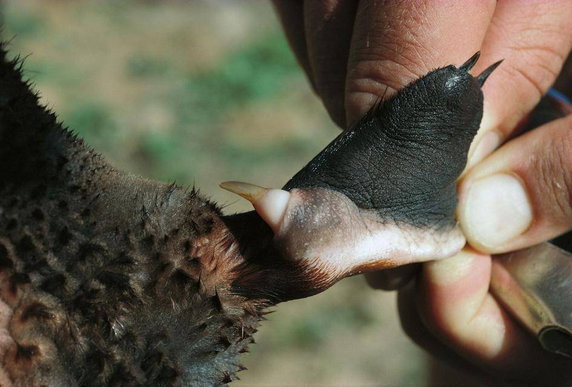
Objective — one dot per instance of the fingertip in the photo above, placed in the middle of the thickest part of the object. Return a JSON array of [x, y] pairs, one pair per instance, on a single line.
[[450, 271], [334, 104], [328, 29], [291, 16], [520, 195], [484, 144], [453, 290], [494, 210]]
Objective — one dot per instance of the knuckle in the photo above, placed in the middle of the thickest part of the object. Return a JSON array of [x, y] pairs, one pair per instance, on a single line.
[[393, 62], [374, 76], [536, 62], [372, 80], [562, 173], [527, 79], [553, 176]]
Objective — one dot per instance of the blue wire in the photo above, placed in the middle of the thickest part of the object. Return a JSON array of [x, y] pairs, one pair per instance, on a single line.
[[558, 95]]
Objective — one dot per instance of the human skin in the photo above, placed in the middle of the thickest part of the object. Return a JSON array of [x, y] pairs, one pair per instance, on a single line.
[[354, 54]]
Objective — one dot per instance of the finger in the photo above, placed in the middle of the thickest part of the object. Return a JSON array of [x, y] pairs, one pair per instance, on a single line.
[[455, 305], [392, 279], [291, 15], [395, 42], [415, 329], [328, 28], [522, 194], [534, 39]]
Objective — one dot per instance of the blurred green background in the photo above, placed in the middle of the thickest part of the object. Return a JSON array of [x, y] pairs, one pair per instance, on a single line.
[[199, 92]]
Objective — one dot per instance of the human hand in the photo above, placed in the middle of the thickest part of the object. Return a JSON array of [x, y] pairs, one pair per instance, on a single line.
[[355, 54], [517, 197]]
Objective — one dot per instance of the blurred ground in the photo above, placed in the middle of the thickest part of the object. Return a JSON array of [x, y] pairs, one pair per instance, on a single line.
[[201, 92]]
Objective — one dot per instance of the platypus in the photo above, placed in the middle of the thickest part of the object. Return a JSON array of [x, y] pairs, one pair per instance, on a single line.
[[107, 278]]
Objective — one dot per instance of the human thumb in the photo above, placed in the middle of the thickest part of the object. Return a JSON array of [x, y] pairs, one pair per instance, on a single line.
[[521, 195]]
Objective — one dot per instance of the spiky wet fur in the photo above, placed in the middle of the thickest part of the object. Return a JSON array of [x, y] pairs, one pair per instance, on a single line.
[[110, 278]]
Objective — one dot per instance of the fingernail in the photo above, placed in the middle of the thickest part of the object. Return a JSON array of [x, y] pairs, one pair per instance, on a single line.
[[484, 147], [494, 210]]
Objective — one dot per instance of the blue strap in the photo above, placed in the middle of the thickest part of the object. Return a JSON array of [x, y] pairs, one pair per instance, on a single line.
[[559, 96]]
